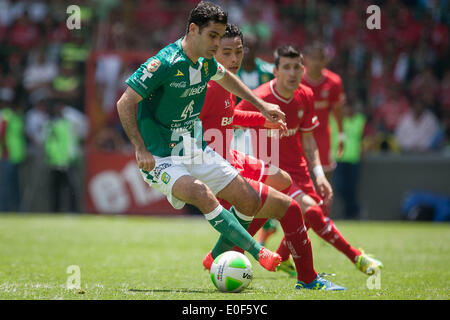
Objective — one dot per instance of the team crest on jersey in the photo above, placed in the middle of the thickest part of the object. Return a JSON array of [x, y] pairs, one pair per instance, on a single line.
[[227, 103], [205, 66], [300, 113], [324, 93], [153, 65], [165, 177]]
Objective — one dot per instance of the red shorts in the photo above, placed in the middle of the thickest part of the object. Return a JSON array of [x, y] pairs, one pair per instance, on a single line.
[[261, 188], [302, 183], [250, 167]]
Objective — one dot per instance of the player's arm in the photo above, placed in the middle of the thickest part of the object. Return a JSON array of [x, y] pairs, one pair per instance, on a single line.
[[338, 116], [254, 119], [233, 84], [126, 107], [312, 156]]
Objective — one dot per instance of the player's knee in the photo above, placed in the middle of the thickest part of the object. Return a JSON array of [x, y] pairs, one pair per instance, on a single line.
[[306, 202], [251, 205], [199, 193], [314, 213], [285, 180], [280, 180]]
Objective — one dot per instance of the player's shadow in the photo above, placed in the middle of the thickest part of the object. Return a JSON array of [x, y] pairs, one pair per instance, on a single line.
[[179, 290]]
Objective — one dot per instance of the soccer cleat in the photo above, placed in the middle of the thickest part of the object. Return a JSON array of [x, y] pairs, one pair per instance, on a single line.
[[319, 284], [269, 260], [367, 264], [208, 261], [288, 267]]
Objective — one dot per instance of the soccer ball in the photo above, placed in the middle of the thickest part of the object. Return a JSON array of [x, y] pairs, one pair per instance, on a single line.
[[231, 272]]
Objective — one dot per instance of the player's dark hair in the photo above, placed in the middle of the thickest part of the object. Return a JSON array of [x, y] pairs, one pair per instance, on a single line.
[[287, 51], [233, 31], [205, 12]]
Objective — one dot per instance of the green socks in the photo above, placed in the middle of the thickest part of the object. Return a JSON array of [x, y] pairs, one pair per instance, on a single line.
[[233, 231]]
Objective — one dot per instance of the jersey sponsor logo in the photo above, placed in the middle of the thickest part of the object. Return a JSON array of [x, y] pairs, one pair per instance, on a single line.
[[181, 84], [220, 69], [179, 73], [187, 113], [157, 171], [193, 91], [226, 121], [153, 65]]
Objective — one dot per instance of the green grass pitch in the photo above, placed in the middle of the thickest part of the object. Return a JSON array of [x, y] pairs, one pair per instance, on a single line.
[[161, 258]]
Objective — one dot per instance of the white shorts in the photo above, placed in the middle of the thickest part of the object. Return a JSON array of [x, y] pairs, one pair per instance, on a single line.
[[207, 166]]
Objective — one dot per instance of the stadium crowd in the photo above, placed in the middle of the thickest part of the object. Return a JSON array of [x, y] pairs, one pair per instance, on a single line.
[[398, 77]]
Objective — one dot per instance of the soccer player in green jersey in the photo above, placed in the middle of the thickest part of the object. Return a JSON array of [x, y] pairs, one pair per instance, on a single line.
[[170, 89]]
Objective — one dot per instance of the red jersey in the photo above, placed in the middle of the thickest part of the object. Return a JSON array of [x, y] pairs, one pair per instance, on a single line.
[[300, 116], [218, 116], [328, 91]]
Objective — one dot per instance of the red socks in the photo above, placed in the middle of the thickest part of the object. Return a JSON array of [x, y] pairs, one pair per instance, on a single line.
[[326, 229], [297, 241]]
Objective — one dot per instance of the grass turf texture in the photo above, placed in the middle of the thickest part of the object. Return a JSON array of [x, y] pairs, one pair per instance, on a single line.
[[161, 258]]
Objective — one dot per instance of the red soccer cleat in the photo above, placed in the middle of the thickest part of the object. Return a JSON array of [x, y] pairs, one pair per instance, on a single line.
[[269, 260], [208, 261]]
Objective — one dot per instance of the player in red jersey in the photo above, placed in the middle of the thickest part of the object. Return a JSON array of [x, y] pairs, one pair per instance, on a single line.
[[297, 150], [328, 98], [218, 117]]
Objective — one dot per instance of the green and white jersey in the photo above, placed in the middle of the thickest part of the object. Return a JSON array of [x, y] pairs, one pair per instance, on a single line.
[[261, 74], [173, 89]]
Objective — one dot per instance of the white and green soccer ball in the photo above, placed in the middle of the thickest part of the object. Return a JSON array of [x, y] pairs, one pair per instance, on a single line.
[[231, 272]]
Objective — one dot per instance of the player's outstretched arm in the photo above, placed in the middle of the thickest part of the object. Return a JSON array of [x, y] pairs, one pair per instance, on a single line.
[[233, 84], [126, 107], [312, 156]]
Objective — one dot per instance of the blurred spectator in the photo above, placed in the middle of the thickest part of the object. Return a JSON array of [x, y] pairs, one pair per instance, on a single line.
[[23, 34], [254, 24], [417, 129], [346, 175], [36, 120], [110, 140], [391, 110], [38, 76], [67, 86], [60, 147], [254, 71], [12, 152]]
